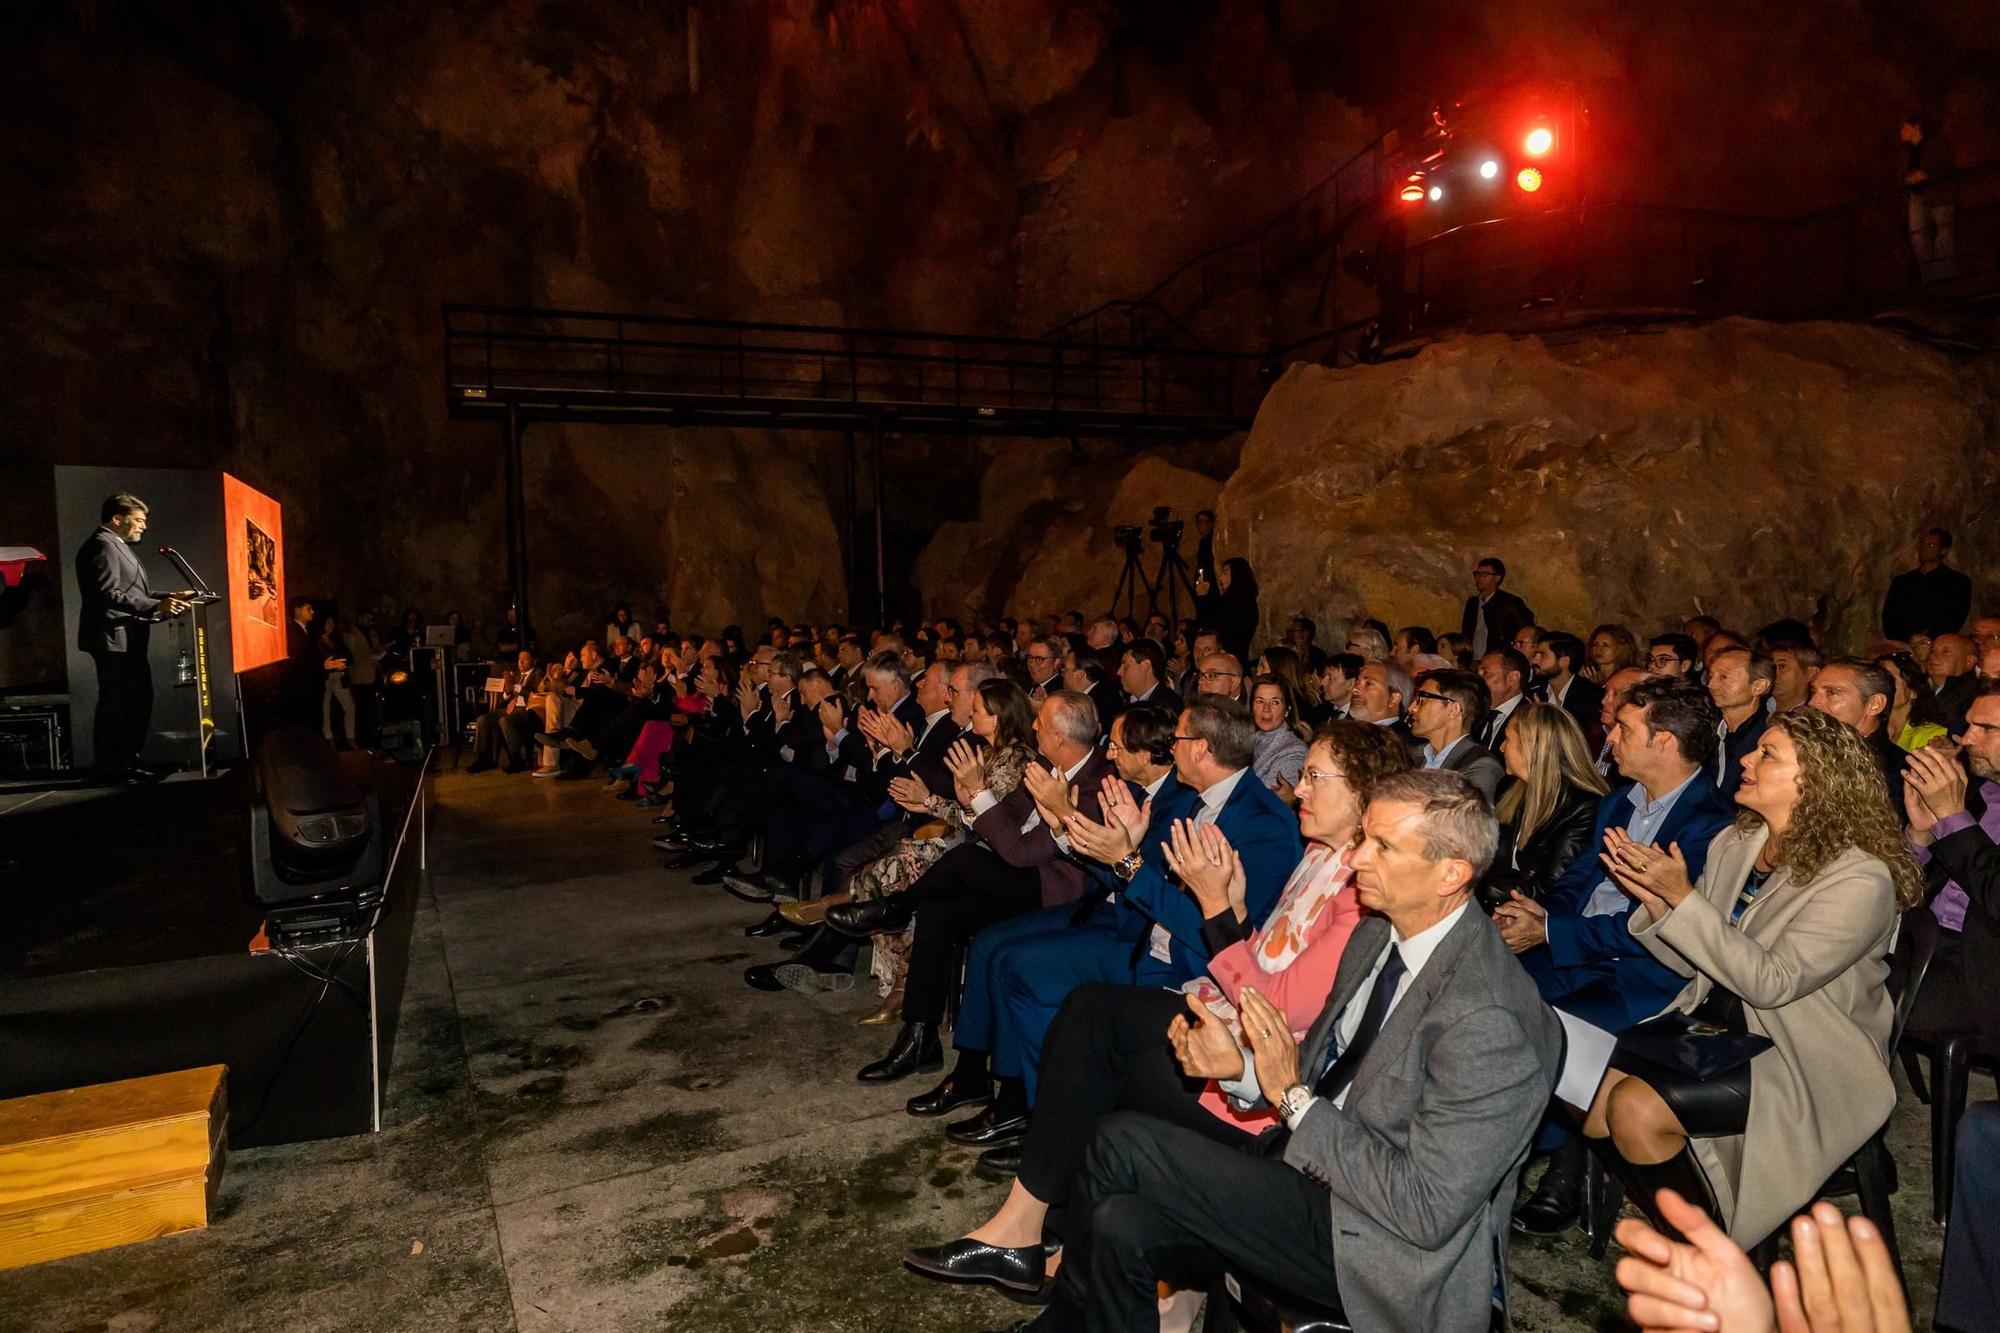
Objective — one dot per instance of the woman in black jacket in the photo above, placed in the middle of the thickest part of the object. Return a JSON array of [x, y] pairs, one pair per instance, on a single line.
[[1230, 607], [1549, 808]]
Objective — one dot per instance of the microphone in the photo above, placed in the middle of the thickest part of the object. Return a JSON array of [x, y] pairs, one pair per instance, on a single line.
[[194, 579]]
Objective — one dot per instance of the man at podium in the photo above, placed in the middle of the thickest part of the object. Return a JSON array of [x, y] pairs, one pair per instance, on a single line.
[[114, 624]]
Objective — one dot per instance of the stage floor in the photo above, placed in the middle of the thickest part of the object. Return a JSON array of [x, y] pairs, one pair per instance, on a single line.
[[593, 1124]]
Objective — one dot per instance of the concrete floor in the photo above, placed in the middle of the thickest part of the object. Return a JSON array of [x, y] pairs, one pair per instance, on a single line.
[[593, 1124]]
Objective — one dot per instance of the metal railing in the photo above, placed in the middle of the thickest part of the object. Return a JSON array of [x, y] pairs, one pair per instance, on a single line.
[[584, 362]]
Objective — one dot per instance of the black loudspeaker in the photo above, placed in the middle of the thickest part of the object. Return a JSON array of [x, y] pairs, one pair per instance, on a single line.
[[316, 841]]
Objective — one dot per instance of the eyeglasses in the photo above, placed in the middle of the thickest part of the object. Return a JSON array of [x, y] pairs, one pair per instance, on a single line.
[[1187, 738], [1662, 660], [1308, 776], [1486, 573], [1430, 694], [1218, 675], [1041, 657]]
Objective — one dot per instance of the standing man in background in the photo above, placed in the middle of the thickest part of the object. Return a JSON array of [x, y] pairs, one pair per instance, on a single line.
[[1931, 599], [1492, 617], [114, 625]]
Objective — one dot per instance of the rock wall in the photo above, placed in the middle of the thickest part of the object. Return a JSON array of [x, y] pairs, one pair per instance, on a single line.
[[1741, 469]]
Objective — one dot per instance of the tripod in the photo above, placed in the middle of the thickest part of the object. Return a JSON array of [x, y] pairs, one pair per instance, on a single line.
[[1173, 575], [1131, 579]]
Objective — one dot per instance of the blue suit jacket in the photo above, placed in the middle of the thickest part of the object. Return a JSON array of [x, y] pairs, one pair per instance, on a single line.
[[1264, 833], [1596, 946]]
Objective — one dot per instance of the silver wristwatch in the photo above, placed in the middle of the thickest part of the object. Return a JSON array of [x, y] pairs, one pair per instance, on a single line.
[[1293, 1104]]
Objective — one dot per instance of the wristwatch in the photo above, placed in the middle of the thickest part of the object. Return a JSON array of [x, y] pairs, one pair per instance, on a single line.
[[1293, 1104], [1128, 866]]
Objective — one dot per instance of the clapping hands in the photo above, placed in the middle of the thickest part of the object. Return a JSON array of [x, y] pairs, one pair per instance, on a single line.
[[886, 730], [1208, 866], [1658, 880], [910, 793], [1118, 836], [1054, 798]]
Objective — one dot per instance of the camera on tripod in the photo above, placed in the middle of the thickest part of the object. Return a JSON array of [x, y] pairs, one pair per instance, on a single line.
[[1126, 535], [1166, 526]]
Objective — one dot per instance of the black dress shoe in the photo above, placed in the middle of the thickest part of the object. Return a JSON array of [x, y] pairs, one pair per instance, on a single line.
[[667, 819], [714, 874], [988, 1129], [672, 844], [1000, 1164], [772, 924], [764, 976], [1019, 1273], [916, 1051], [951, 1094], [859, 920], [794, 942], [1557, 1203]]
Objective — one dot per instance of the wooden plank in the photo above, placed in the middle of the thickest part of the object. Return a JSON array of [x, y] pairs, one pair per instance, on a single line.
[[102, 1106], [72, 1146], [101, 1223]]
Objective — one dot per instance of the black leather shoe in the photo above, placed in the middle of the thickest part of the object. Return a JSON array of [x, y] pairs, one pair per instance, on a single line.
[[951, 1094], [764, 976], [1557, 1203], [860, 920], [709, 842], [987, 1130], [1000, 1164], [714, 874], [794, 942], [1016, 1272], [667, 819], [916, 1051], [772, 924]]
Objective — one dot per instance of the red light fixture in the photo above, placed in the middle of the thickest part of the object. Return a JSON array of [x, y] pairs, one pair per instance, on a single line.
[[1529, 180], [1539, 141], [1413, 188]]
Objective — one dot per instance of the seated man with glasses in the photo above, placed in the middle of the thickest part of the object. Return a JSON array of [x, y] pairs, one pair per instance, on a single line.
[[1446, 709], [1671, 655], [1044, 662], [1220, 674]]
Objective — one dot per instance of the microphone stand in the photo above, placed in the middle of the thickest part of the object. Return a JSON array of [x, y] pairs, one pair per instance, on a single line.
[[201, 596]]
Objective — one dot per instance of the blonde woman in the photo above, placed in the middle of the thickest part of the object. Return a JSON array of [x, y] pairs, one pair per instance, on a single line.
[[1786, 938], [1612, 648], [1548, 812]]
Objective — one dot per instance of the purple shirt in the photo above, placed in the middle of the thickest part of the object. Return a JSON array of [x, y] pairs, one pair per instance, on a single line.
[[1951, 903]]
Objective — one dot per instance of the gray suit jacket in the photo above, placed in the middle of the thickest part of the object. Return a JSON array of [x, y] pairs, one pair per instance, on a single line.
[[1422, 1160], [116, 606], [1478, 765]]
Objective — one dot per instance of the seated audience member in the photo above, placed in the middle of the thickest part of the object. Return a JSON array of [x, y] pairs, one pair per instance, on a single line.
[[1386, 1188], [1103, 642], [1086, 677], [1794, 663], [1141, 749], [1858, 692], [1014, 867], [1841, 1278], [1955, 846], [1915, 720], [1557, 660], [504, 734], [1739, 683], [1336, 686], [1444, 711], [1506, 675], [1577, 941], [1300, 635], [1456, 650], [1381, 692], [1526, 639], [1367, 643], [1142, 672], [1281, 749], [1411, 642], [1720, 641], [1615, 690], [1106, 1049], [1701, 629], [1220, 675], [1785, 934], [1549, 812], [1280, 661], [1612, 649], [1492, 614], [1969, 1276], [1204, 645], [1950, 667], [1671, 655]]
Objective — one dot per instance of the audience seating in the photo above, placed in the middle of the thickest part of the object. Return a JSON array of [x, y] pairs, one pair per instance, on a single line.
[[1952, 1057]]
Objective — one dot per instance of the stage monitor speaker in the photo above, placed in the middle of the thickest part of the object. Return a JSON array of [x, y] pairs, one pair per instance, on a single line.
[[316, 839]]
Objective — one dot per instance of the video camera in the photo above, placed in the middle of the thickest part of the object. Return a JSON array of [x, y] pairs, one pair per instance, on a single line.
[[1126, 535], [1166, 526]]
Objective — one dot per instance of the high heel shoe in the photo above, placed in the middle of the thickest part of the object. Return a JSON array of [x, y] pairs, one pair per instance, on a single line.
[[891, 1010], [812, 913]]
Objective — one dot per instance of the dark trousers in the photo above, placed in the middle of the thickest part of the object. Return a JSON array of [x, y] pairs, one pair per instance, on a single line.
[[969, 889], [1108, 1051], [124, 705], [1969, 1281], [498, 738], [1162, 1201], [844, 864]]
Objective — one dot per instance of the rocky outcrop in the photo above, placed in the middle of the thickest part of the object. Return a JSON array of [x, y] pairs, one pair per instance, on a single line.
[[1742, 469]]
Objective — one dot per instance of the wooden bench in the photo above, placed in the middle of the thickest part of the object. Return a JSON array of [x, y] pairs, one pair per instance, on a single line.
[[90, 1168]]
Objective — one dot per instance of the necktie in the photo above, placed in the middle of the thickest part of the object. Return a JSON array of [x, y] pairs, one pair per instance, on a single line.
[[1334, 1080]]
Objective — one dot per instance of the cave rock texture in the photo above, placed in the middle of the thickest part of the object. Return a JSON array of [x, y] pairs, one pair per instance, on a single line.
[[1742, 469]]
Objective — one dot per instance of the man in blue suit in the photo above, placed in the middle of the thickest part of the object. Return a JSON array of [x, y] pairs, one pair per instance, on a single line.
[[1150, 934], [117, 609], [1577, 942]]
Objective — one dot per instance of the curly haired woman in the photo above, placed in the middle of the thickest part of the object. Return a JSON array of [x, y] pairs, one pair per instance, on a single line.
[[1787, 936]]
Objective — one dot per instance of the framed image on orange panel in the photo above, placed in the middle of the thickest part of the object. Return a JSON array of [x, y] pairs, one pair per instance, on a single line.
[[256, 539]]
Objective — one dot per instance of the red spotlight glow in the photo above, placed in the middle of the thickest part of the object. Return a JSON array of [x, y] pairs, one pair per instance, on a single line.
[[1539, 141], [1412, 193], [1529, 179]]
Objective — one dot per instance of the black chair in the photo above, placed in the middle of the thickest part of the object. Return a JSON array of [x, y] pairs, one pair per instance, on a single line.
[[1870, 1174], [1952, 1056]]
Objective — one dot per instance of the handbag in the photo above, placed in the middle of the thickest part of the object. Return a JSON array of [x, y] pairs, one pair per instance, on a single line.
[[1691, 1046]]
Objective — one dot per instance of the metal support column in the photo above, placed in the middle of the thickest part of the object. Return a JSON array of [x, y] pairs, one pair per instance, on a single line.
[[517, 521], [881, 572], [850, 567]]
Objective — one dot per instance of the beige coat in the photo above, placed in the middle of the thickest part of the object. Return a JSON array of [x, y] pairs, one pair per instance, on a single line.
[[1810, 963]]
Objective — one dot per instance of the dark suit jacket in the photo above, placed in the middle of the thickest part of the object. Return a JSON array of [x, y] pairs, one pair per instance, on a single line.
[[1264, 833], [1582, 949], [1477, 763], [1919, 603], [1582, 701], [116, 602], [1505, 615], [1063, 880], [1970, 857], [1421, 1159], [1163, 696]]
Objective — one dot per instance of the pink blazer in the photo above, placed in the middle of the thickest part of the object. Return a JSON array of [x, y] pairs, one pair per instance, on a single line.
[[1300, 987]]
